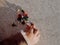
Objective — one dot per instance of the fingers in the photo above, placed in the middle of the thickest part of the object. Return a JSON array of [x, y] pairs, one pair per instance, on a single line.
[[31, 31], [34, 30], [33, 38], [37, 35], [36, 39]]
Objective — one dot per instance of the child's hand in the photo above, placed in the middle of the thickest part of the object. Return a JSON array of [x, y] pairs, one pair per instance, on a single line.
[[32, 38]]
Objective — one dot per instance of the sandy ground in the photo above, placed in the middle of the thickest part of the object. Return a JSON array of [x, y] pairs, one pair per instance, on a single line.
[[44, 13]]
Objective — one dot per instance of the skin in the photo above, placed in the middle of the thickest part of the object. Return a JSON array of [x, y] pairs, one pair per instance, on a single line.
[[32, 35], [19, 40]]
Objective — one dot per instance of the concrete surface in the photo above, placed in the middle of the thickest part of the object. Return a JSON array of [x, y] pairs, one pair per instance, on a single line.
[[44, 13]]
